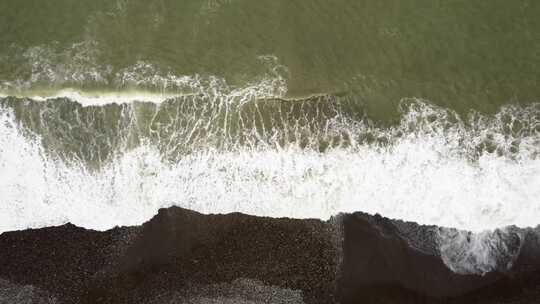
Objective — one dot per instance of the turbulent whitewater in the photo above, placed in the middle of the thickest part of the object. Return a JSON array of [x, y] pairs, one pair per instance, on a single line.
[[101, 160]]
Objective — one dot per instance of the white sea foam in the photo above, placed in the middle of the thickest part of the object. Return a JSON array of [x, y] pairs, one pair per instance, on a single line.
[[154, 85], [418, 178], [49, 65], [89, 99], [465, 252], [48, 72]]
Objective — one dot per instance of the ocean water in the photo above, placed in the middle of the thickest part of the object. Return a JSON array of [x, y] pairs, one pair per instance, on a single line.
[[421, 110]]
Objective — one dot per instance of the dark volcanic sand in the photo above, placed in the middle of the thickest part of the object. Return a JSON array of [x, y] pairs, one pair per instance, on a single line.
[[181, 256]]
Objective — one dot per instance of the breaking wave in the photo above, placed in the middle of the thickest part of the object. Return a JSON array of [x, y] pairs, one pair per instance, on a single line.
[[103, 166], [103, 158]]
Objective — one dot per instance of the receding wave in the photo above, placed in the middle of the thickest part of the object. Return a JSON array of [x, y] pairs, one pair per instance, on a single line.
[[110, 165]]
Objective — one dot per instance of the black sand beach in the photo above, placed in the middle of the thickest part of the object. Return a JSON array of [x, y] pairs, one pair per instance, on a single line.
[[181, 256]]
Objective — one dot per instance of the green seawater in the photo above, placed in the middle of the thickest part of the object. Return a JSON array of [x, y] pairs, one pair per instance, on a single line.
[[459, 54]]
